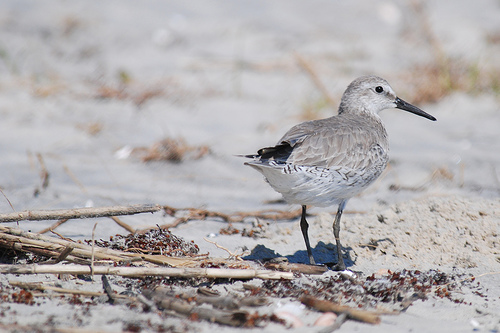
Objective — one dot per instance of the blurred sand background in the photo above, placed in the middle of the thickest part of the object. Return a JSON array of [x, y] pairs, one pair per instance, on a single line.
[[84, 84]]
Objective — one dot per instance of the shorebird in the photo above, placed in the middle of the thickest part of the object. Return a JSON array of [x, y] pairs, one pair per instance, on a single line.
[[328, 161]]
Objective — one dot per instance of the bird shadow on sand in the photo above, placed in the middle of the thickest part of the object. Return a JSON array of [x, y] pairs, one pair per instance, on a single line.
[[324, 254]]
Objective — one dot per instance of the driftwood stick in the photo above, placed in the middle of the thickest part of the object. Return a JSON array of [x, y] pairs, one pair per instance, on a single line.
[[52, 227], [231, 254], [39, 251], [352, 313], [107, 289], [166, 300], [78, 213], [123, 224], [230, 318], [40, 286], [146, 271], [55, 249], [195, 214], [92, 255], [67, 250], [297, 268]]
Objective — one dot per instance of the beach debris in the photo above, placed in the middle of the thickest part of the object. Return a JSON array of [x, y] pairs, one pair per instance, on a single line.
[[290, 313], [326, 319], [352, 313], [171, 150], [285, 266], [225, 310], [155, 241]]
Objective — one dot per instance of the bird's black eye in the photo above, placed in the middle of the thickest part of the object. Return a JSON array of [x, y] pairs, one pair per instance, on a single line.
[[379, 89]]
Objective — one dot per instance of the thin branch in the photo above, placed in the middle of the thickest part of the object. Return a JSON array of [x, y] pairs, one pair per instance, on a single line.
[[92, 256], [44, 173], [67, 250], [147, 271], [78, 213], [10, 203], [195, 214], [74, 178], [231, 254], [297, 268], [53, 226], [20, 240], [352, 313], [123, 224], [40, 286]]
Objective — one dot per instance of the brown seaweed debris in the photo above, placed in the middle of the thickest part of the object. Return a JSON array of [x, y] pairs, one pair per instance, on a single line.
[[172, 150], [395, 290], [154, 241]]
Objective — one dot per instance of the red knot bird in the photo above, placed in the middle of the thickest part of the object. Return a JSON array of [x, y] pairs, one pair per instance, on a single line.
[[328, 161]]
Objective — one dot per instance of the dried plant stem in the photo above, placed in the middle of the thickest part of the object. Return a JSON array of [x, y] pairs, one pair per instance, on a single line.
[[40, 286], [20, 240], [78, 213], [92, 254], [352, 313], [6, 198], [195, 214], [440, 56], [296, 268], [146, 271], [44, 173], [231, 254], [231, 318], [53, 226], [123, 224]]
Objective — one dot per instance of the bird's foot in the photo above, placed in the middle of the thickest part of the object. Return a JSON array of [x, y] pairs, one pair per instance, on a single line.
[[339, 267]]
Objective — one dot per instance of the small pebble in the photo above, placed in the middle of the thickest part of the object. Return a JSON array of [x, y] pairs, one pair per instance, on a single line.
[[291, 320], [326, 319], [382, 272]]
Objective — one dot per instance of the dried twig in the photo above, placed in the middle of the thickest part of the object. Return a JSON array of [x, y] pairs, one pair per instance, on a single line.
[[171, 302], [53, 226], [92, 255], [231, 302], [297, 268], [352, 313], [173, 150], [44, 174], [78, 213], [108, 290], [146, 271], [10, 203], [74, 178], [231, 254], [20, 240], [195, 214], [230, 318], [67, 250], [123, 224], [40, 286]]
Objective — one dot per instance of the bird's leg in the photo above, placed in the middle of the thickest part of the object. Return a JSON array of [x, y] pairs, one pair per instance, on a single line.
[[304, 226], [340, 266]]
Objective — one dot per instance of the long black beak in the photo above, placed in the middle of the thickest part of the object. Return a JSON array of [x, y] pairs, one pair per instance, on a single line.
[[400, 104]]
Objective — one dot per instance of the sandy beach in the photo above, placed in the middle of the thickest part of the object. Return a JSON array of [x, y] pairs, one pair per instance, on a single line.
[[94, 94]]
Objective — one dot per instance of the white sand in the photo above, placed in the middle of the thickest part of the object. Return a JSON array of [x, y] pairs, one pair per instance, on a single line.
[[226, 76]]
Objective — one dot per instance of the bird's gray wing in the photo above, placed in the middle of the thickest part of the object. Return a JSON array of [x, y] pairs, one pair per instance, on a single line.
[[329, 143]]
